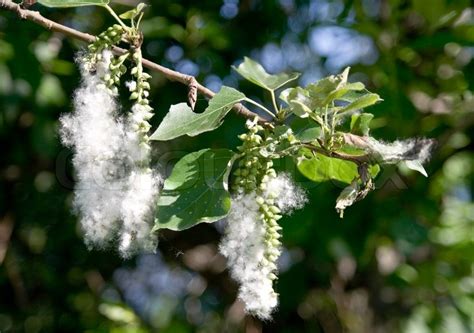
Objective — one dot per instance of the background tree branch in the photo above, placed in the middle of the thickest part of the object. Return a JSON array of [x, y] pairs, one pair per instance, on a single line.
[[170, 74]]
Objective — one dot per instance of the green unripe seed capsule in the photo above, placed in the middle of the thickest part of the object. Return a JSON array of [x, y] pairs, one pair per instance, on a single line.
[[275, 209], [272, 257]]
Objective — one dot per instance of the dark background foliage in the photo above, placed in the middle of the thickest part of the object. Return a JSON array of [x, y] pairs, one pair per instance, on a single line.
[[399, 261]]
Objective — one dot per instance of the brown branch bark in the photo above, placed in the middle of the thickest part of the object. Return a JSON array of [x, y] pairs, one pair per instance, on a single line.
[[170, 74]]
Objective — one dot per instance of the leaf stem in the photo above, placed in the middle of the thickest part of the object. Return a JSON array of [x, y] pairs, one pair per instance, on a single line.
[[260, 106], [115, 16], [275, 106]]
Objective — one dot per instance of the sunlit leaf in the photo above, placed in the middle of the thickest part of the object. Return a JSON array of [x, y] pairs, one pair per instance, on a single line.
[[362, 102], [416, 166], [347, 197], [321, 168], [339, 92], [131, 14], [181, 120], [255, 73], [299, 109]]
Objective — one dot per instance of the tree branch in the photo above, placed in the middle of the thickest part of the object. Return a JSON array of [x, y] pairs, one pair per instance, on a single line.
[[357, 159], [170, 74]]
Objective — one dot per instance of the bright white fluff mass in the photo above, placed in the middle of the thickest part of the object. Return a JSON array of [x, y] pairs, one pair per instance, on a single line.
[[407, 150], [244, 244], [289, 196], [244, 247], [137, 211], [113, 195]]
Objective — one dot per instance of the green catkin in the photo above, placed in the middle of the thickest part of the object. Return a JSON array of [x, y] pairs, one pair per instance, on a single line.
[[252, 175], [139, 88], [142, 111], [105, 40]]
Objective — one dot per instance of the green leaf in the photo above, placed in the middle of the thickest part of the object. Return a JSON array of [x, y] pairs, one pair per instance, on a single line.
[[348, 197], [320, 168], [360, 123], [196, 190], [327, 89], [181, 120], [374, 170], [339, 92], [416, 166], [362, 102], [131, 14], [305, 130], [73, 3], [316, 96], [255, 73], [298, 101], [299, 109]]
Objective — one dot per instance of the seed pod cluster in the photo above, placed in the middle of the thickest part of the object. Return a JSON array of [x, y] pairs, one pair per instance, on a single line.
[[255, 170], [141, 111], [105, 40]]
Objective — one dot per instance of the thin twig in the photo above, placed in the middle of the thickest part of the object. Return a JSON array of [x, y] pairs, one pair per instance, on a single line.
[[357, 159], [170, 74]]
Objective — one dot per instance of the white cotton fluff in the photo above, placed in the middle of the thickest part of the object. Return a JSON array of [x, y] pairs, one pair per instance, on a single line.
[[137, 211], [243, 246], [418, 149], [289, 196], [131, 85], [95, 135], [114, 196]]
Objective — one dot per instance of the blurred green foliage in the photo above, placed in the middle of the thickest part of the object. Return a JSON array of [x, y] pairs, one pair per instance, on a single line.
[[400, 261]]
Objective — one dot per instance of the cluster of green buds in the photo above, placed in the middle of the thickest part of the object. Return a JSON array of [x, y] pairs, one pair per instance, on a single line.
[[139, 87], [141, 111], [139, 90], [252, 165], [254, 172], [116, 70], [270, 214], [108, 38]]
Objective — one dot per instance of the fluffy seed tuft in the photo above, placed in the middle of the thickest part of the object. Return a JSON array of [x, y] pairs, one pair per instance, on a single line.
[[289, 196], [114, 196]]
